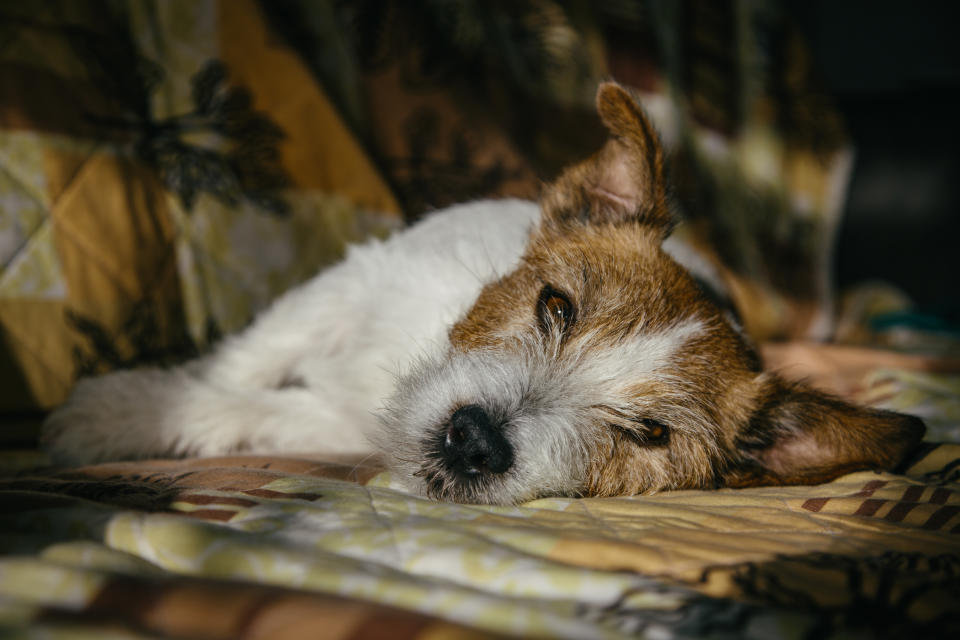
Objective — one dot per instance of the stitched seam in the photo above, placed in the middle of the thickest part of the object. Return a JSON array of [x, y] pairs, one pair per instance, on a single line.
[[36, 194], [22, 253], [33, 196]]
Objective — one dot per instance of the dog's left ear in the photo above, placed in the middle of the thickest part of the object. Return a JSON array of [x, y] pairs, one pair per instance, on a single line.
[[623, 182], [798, 435]]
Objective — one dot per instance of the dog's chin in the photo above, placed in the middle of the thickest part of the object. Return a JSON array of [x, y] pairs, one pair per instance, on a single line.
[[441, 478], [456, 486], [479, 489]]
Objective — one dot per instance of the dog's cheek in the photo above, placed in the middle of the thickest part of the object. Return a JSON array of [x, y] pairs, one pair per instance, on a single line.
[[618, 467]]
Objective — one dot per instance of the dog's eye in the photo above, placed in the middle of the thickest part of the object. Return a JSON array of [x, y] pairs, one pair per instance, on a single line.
[[646, 432], [554, 309]]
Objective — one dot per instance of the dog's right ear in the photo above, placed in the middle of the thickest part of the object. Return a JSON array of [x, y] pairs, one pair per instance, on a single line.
[[623, 182]]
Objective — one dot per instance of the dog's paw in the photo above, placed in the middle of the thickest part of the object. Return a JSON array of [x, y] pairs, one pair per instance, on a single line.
[[71, 438], [84, 429], [112, 417]]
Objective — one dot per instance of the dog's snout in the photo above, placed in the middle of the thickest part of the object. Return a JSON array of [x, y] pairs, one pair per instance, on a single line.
[[474, 444]]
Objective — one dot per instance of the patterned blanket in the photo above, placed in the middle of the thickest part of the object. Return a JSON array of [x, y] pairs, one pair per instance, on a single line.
[[284, 547]]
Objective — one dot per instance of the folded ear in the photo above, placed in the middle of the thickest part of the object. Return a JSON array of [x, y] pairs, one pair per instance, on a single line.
[[623, 182], [798, 435]]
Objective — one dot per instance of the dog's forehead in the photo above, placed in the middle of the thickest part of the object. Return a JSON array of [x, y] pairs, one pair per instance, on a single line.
[[619, 280], [636, 301]]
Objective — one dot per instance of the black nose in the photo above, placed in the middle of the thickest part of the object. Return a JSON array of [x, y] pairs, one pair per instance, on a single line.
[[474, 444]]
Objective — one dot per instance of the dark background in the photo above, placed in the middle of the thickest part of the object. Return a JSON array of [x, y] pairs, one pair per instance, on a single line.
[[894, 70]]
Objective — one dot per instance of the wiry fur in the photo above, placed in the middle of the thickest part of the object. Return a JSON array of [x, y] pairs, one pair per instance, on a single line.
[[556, 406], [514, 352]]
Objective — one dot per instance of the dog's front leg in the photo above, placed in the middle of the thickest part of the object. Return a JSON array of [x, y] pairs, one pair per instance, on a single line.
[[172, 412], [250, 394]]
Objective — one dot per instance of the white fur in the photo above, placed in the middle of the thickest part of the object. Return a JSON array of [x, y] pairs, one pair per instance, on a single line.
[[346, 334]]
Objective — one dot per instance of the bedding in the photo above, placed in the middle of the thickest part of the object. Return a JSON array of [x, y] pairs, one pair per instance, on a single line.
[[274, 546], [287, 547], [160, 182]]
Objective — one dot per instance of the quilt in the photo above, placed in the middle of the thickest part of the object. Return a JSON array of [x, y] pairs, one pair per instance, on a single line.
[[279, 547]]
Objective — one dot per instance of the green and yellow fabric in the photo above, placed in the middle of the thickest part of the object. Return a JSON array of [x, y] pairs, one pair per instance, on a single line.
[[166, 169]]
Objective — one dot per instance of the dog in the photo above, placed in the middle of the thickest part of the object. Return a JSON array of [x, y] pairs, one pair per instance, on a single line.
[[501, 351]]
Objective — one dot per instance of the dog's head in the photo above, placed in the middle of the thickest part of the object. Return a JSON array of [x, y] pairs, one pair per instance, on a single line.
[[598, 367]]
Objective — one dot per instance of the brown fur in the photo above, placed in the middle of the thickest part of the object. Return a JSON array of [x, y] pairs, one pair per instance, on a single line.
[[726, 423]]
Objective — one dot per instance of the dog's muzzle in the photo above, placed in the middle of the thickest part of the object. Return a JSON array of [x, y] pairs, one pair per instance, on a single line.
[[474, 444]]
